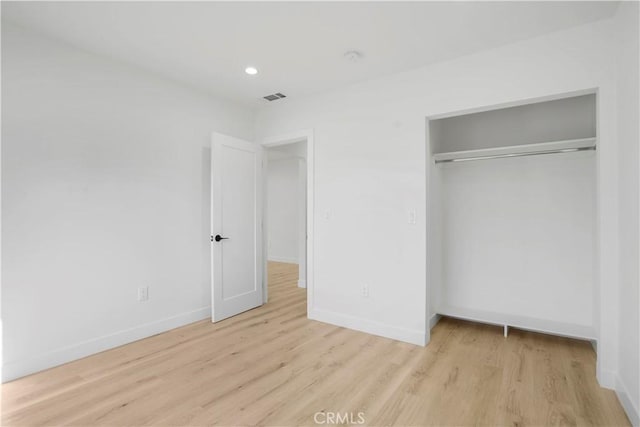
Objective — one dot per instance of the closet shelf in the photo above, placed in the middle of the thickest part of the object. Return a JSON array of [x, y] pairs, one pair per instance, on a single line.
[[517, 150], [520, 322]]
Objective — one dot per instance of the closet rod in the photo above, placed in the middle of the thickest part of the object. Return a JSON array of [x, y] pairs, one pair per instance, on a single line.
[[531, 153]]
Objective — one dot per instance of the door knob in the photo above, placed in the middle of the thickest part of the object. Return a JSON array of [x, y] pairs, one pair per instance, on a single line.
[[219, 237]]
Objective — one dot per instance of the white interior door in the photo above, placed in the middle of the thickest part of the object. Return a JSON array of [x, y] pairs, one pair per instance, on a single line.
[[236, 226]]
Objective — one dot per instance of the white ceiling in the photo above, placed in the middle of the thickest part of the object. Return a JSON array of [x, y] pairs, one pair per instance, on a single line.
[[297, 47]]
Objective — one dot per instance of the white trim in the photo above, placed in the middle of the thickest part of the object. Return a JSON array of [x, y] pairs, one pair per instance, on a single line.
[[606, 379], [20, 368], [433, 320], [632, 411], [302, 283], [286, 260], [299, 136], [287, 138], [546, 326], [508, 104], [410, 336]]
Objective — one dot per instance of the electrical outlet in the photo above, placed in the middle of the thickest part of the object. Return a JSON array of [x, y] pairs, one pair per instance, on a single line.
[[143, 293], [365, 291]]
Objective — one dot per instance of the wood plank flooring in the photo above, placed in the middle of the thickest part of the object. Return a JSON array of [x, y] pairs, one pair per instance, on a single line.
[[273, 366]]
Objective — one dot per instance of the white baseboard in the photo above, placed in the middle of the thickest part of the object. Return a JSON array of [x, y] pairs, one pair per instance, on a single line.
[[369, 326], [287, 260], [433, 320], [302, 283], [629, 407], [21, 368], [606, 379]]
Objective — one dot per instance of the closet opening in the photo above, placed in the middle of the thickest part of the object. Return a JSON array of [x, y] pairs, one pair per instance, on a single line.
[[512, 220]]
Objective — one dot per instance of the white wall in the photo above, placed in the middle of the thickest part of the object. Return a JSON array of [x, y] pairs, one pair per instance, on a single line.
[[105, 188], [283, 216], [519, 236], [370, 172], [628, 381], [555, 120]]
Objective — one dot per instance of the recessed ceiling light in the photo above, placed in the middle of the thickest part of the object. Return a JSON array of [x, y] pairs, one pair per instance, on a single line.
[[252, 71]]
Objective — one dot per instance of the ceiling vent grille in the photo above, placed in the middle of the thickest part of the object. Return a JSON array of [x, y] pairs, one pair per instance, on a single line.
[[275, 96]]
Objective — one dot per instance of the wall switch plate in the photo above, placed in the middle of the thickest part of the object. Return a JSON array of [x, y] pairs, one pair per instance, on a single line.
[[365, 291], [143, 293], [412, 216]]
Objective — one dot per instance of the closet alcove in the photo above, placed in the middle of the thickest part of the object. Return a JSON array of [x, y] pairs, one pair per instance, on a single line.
[[512, 229]]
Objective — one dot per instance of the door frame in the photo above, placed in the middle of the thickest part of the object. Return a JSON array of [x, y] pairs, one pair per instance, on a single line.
[[305, 135]]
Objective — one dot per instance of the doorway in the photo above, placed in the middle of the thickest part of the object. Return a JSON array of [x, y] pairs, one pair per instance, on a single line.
[[288, 219]]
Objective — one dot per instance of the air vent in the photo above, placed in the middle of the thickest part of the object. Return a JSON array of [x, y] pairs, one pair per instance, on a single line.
[[274, 97]]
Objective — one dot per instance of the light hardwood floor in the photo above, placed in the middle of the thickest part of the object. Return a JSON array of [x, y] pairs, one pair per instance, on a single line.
[[272, 366]]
